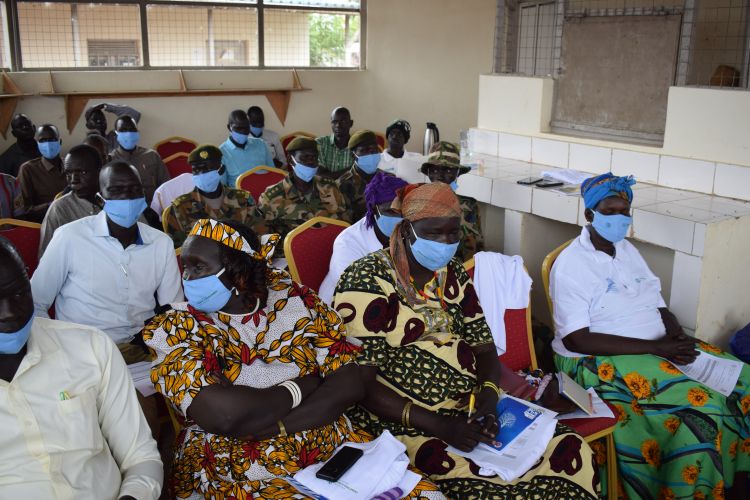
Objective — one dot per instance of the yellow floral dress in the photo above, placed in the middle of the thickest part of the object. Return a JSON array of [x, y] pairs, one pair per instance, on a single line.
[[295, 335], [424, 352]]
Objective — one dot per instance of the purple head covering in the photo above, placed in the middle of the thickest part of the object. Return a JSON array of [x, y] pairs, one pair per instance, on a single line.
[[381, 189]]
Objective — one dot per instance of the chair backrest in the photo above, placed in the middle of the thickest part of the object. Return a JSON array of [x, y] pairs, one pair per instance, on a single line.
[[519, 338], [286, 139], [257, 179], [308, 249], [547, 263], [178, 254], [164, 222], [178, 164], [381, 140], [174, 144], [25, 236]]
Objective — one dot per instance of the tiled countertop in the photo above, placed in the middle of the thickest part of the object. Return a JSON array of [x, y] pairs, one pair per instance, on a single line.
[[666, 217]]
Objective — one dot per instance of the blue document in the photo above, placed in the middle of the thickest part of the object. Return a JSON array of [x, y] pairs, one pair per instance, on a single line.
[[512, 417]]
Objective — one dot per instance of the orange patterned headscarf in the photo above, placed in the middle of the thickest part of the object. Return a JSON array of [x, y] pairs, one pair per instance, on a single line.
[[416, 202], [226, 235]]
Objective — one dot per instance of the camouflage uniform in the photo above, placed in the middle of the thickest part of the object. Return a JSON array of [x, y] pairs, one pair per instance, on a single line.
[[472, 240], [285, 207], [352, 185], [185, 211]]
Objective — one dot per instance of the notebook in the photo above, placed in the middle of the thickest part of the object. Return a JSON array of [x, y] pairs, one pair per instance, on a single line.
[[574, 392], [513, 417]]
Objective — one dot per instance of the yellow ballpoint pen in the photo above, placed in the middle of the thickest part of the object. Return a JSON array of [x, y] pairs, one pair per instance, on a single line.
[[472, 400]]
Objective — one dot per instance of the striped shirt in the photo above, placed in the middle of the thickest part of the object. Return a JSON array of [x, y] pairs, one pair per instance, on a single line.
[[330, 157]]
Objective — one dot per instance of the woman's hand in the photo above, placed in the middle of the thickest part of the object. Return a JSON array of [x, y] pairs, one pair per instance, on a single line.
[[486, 411], [679, 350], [460, 434]]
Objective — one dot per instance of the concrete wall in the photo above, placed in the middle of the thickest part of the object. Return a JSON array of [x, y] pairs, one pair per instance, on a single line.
[[423, 58]]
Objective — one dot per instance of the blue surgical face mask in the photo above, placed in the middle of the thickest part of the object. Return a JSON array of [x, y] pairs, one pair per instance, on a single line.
[[128, 140], [387, 223], [256, 131], [125, 213], [368, 163], [207, 294], [208, 182], [454, 186], [432, 255], [612, 228], [50, 149], [237, 137], [13, 342], [304, 172]]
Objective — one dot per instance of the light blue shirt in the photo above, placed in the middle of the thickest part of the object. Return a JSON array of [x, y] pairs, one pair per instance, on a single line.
[[93, 281], [238, 160]]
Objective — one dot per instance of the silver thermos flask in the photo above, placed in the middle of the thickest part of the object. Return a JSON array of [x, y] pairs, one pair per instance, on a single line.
[[431, 136]]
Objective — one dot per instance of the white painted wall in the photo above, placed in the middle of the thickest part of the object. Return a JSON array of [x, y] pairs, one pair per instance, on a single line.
[[423, 58]]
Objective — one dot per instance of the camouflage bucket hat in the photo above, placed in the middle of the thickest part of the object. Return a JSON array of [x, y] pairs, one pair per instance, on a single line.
[[445, 154]]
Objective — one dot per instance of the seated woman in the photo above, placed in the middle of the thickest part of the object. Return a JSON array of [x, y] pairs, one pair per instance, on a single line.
[[258, 365], [613, 332], [426, 347], [444, 165], [372, 232]]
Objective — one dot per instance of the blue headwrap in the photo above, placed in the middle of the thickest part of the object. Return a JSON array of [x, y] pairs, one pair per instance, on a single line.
[[381, 188], [595, 189]]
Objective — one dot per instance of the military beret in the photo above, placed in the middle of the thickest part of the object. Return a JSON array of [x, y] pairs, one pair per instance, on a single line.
[[204, 153], [301, 142], [445, 154], [361, 136]]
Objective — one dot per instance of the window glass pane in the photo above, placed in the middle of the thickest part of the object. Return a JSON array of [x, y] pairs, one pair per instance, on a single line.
[[333, 4], [55, 35], [318, 39], [202, 36], [4, 43], [247, 2]]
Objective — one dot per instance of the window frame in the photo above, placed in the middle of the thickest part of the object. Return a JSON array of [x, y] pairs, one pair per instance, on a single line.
[[16, 58]]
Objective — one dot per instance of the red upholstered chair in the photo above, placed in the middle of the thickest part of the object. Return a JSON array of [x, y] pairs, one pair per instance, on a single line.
[[308, 249], [25, 236], [257, 179], [178, 164], [173, 145], [286, 139], [382, 141]]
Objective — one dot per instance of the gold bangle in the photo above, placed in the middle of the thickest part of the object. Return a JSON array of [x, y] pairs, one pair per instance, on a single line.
[[492, 386], [405, 413], [282, 429]]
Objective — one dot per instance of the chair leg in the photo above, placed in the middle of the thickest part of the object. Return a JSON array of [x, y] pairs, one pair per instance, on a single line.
[[611, 467]]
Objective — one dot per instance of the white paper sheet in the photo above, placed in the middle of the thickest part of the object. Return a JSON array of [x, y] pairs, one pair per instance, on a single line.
[[714, 372], [141, 374], [600, 409], [566, 175]]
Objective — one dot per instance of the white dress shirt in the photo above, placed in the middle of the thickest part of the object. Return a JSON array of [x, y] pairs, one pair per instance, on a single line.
[[93, 281], [353, 243], [170, 190], [612, 295], [71, 424], [273, 141], [406, 167]]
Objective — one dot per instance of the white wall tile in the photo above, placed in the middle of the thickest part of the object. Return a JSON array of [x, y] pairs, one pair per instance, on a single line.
[[686, 282], [643, 166], [483, 141], [590, 158], [517, 147], [732, 181], [554, 206], [475, 186], [699, 239], [549, 152], [663, 230], [506, 193], [683, 173], [513, 232]]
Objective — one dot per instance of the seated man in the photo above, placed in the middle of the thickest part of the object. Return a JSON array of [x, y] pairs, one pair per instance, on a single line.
[[96, 122], [370, 233], [240, 152], [148, 163], [21, 151], [11, 201], [614, 332], [363, 144], [209, 199], [81, 166], [71, 425], [99, 143], [259, 131], [397, 134], [335, 156], [170, 191], [105, 270], [43, 178], [443, 165], [302, 195]]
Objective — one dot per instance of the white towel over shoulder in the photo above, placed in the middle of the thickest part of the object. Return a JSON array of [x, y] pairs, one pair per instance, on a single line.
[[501, 283]]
